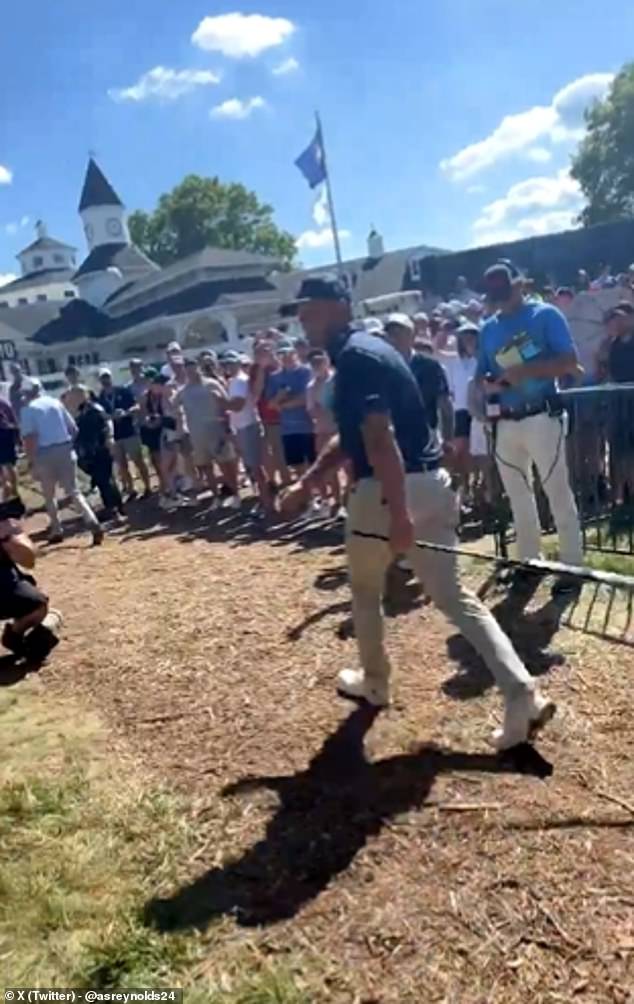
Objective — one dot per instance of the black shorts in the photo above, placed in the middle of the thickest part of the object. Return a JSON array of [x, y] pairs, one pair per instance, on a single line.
[[299, 448], [8, 452], [151, 439], [462, 424], [19, 598]]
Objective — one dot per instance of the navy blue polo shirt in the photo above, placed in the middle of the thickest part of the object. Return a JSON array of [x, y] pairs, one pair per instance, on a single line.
[[373, 378], [113, 400]]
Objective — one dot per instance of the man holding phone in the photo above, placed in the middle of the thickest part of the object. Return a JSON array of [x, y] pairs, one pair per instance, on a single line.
[[525, 349]]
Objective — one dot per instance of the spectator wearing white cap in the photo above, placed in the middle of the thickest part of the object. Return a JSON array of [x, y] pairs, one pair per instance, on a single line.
[[246, 425], [473, 311], [174, 369], [48, 434], [421, 325], [175, 360], [461, 369]]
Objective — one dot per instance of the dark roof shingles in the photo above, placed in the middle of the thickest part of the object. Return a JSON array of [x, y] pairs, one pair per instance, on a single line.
[[126, 257], [97, 190]]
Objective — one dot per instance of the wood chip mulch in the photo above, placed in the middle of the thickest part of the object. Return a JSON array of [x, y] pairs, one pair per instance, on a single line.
[[392, 854]]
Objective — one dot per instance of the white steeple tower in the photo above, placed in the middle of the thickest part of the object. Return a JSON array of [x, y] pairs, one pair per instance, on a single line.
[[102, 211]]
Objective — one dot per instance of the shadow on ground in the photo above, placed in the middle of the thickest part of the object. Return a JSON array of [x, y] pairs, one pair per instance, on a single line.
[[13, 670], [325, 815], [237, 529], [402, 595], [531, 634]]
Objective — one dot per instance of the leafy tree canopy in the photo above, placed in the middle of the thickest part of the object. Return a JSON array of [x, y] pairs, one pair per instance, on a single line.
[[205, 212], [604, 163]]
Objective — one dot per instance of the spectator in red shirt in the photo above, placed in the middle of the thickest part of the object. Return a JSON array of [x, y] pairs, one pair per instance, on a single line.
[[266, 363]]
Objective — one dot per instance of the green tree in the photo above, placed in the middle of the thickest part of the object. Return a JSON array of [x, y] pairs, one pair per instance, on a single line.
[[604, 163], [205, 212]]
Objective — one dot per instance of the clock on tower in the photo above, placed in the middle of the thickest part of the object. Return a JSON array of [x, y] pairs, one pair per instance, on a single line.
[[89, 231], [113, 227]]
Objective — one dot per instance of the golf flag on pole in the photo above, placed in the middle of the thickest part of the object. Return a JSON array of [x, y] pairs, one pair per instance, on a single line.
[[312, 162]]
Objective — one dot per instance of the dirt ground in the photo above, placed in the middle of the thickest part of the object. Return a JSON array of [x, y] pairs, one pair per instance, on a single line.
[[393, 855]]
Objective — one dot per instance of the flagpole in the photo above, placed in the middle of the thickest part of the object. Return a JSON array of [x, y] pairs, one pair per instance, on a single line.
[[331, 205]]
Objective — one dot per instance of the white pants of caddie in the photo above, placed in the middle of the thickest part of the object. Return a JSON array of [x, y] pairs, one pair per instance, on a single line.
[[539, 440], [434, 509]]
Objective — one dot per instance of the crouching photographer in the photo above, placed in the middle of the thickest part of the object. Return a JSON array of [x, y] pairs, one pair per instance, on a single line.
[[29, 632]]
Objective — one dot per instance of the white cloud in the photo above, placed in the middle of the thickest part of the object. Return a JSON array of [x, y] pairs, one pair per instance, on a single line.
[[164, 84], [235, 108], [6, 176], [6, 277], [560, 121], [534, 206], [12, 228], [539, 155], [321, 237], [286, 66], [237, 35]]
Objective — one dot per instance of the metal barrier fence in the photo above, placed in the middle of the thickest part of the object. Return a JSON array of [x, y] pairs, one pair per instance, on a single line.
[[601, 462], [600, 452]]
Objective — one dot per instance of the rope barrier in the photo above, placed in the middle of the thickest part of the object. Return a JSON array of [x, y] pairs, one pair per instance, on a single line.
[[613, 580]]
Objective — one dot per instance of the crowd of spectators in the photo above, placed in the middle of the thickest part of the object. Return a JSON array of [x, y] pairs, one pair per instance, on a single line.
[[215, 421]]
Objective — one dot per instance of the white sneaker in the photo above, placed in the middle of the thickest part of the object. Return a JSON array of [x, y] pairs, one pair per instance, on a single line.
[[233, 502], [314, 509], [353, 683], [523, 717], [325, 510], [342, 514]]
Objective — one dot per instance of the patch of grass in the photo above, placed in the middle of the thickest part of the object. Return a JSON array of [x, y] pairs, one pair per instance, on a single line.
[[83, 844], [268, 988], [603, 561]]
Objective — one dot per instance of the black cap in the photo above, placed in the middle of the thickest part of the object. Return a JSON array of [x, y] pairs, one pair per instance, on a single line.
[[499, 280], [622, 309], [503, 267], [326, 286]]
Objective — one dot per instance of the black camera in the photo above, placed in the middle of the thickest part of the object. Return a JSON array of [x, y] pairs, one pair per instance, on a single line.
[[13, 509]]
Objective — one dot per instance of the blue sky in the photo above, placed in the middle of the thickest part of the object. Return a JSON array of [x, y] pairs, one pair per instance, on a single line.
[[447, 122]]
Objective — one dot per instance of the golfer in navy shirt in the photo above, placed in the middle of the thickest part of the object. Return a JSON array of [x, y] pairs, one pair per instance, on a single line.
[[524, 350], [400, 491]]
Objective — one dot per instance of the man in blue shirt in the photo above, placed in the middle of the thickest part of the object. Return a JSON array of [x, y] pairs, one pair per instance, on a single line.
[[525, 349], [400, 492], [48, 433], [286, 390]]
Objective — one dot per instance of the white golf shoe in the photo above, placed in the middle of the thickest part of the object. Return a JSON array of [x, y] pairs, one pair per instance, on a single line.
[[353, 683], [524, 716]]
